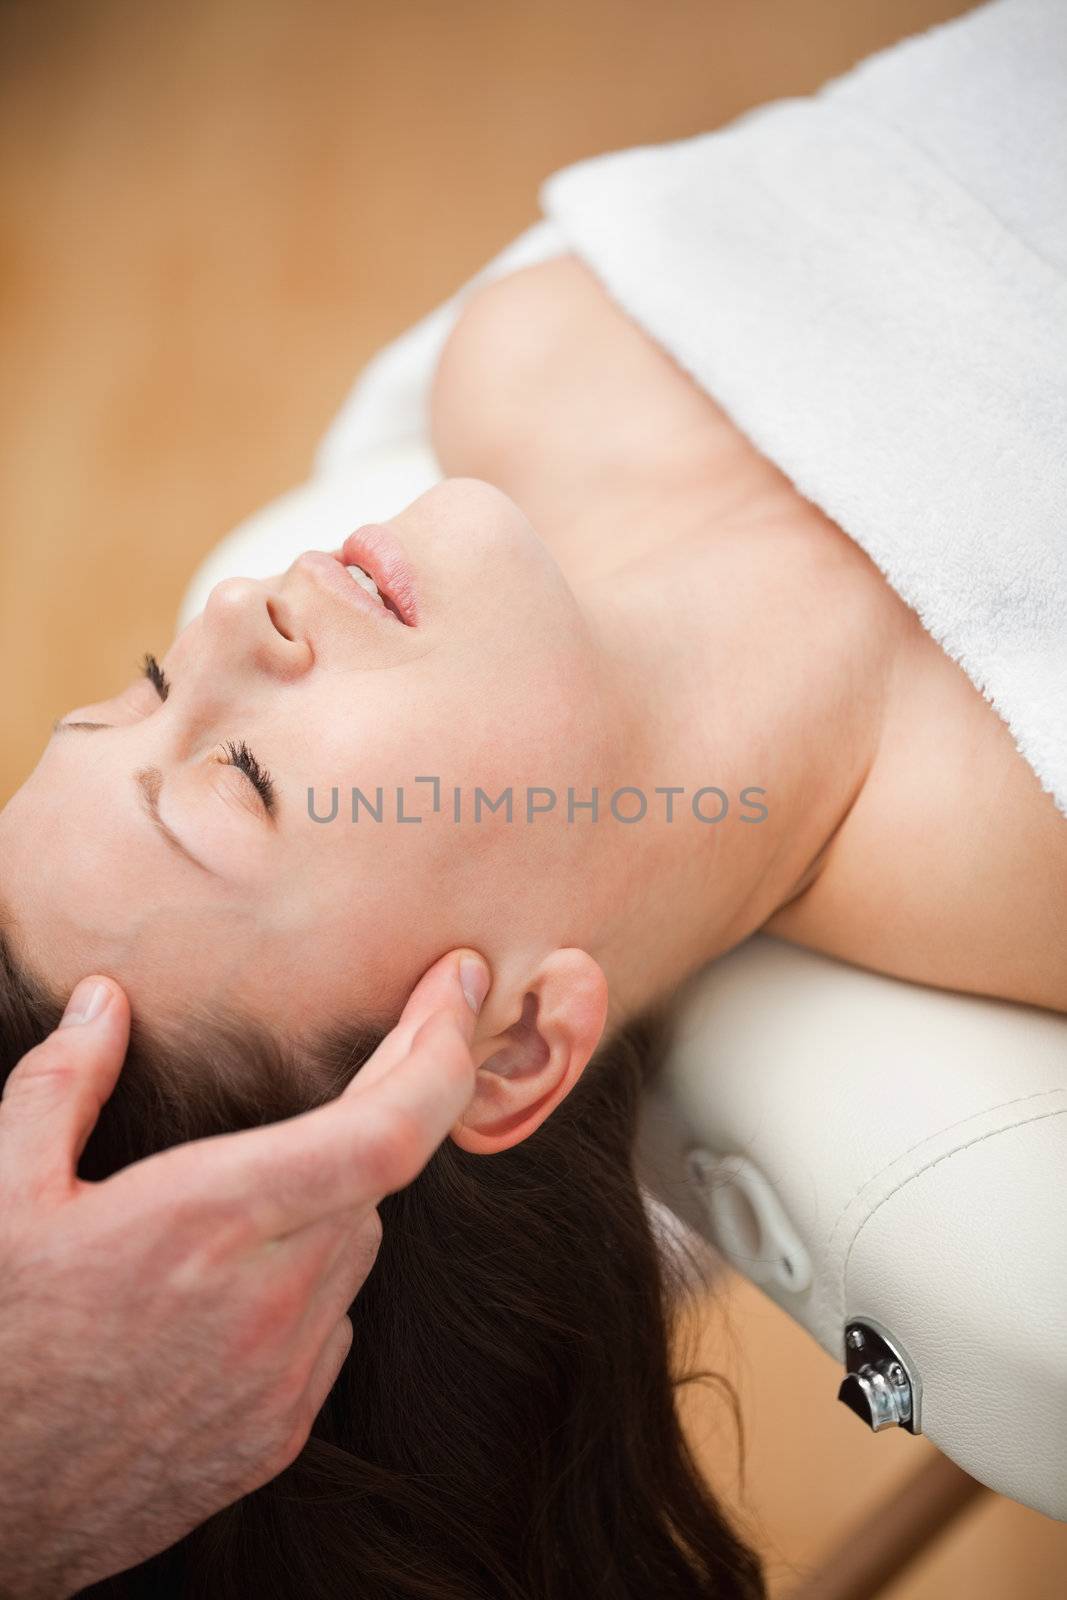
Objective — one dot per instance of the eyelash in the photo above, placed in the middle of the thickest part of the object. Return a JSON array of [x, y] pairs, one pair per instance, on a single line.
[[240, 755], [156, 676], [237, 752]]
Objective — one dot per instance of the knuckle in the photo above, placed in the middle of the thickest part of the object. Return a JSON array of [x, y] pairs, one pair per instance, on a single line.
[[292, 1439], [355, 1264], [371, 1233], [287, 1393], [46, 1071], [364, 1253], [343, 1339]]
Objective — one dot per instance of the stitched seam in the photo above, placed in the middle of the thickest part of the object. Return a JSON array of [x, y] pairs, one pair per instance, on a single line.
[[1003, 1105], [992, 1133]]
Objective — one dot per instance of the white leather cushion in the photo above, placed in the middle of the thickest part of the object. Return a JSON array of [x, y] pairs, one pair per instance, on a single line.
[[916, 1141], [970, 1255]]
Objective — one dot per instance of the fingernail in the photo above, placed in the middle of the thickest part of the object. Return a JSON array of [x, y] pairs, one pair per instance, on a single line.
[[87, 1002], [474, 978]]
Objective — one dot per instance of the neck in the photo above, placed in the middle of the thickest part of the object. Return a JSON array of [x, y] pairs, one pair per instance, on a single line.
[[745, 651]]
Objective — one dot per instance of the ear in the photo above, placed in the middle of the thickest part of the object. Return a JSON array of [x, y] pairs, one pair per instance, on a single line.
[[528, 1068]]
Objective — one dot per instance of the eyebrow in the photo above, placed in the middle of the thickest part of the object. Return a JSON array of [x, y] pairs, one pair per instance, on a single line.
[[150, 793], [149, 782]]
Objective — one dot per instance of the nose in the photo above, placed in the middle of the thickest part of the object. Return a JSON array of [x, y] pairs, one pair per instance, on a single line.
[[249, 625]]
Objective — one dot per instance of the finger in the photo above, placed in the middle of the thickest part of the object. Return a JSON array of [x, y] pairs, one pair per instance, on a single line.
[[347, 1154], [343, 1156], [327, 1368], [346, 1241], [357, 1150], [345, 1268], [458, 983], [53, 1097]]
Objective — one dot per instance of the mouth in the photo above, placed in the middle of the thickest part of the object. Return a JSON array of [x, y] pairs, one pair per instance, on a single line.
[[372, 559], [370, 572]]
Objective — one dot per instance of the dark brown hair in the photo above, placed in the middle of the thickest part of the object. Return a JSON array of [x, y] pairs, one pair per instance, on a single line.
[[504, 1427]]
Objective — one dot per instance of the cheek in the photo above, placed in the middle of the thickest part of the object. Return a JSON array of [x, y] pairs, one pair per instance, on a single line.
[[361, 953], [379, 729]]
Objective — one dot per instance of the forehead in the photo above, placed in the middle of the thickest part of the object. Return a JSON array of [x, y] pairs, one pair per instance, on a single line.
[[88, 881], [90, 886]]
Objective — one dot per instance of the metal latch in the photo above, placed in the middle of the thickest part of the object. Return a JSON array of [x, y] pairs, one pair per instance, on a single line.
[[881, 1384]]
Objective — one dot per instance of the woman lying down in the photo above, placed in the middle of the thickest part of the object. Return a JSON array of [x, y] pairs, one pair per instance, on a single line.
[[610, 698]]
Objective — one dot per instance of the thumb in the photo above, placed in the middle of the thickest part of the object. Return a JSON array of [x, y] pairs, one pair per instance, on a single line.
[[457, 984], [53, 1097]]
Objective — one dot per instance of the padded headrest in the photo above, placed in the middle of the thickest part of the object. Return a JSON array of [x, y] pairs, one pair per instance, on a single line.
[[867, 1148]]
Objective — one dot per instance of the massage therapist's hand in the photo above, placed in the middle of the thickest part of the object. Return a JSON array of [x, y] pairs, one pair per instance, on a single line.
[[167, 1336]]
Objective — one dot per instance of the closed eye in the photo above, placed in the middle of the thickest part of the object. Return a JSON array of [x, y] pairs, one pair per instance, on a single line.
[[240, 756], [237, 752]]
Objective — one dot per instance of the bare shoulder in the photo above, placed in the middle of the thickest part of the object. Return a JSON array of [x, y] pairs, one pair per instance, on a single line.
[[501, 347], [527, 306], [951, 867], [543, 359]]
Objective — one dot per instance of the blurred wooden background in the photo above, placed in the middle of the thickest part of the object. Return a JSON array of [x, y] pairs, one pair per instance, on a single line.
[[213, 212]]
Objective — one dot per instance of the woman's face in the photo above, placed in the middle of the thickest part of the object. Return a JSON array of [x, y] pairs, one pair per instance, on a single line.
[[144, 848]]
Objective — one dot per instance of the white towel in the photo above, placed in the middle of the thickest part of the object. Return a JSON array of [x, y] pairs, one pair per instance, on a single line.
[[872, 281]]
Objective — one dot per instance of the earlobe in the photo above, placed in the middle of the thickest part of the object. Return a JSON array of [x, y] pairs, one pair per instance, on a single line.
[[533, 1064]]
